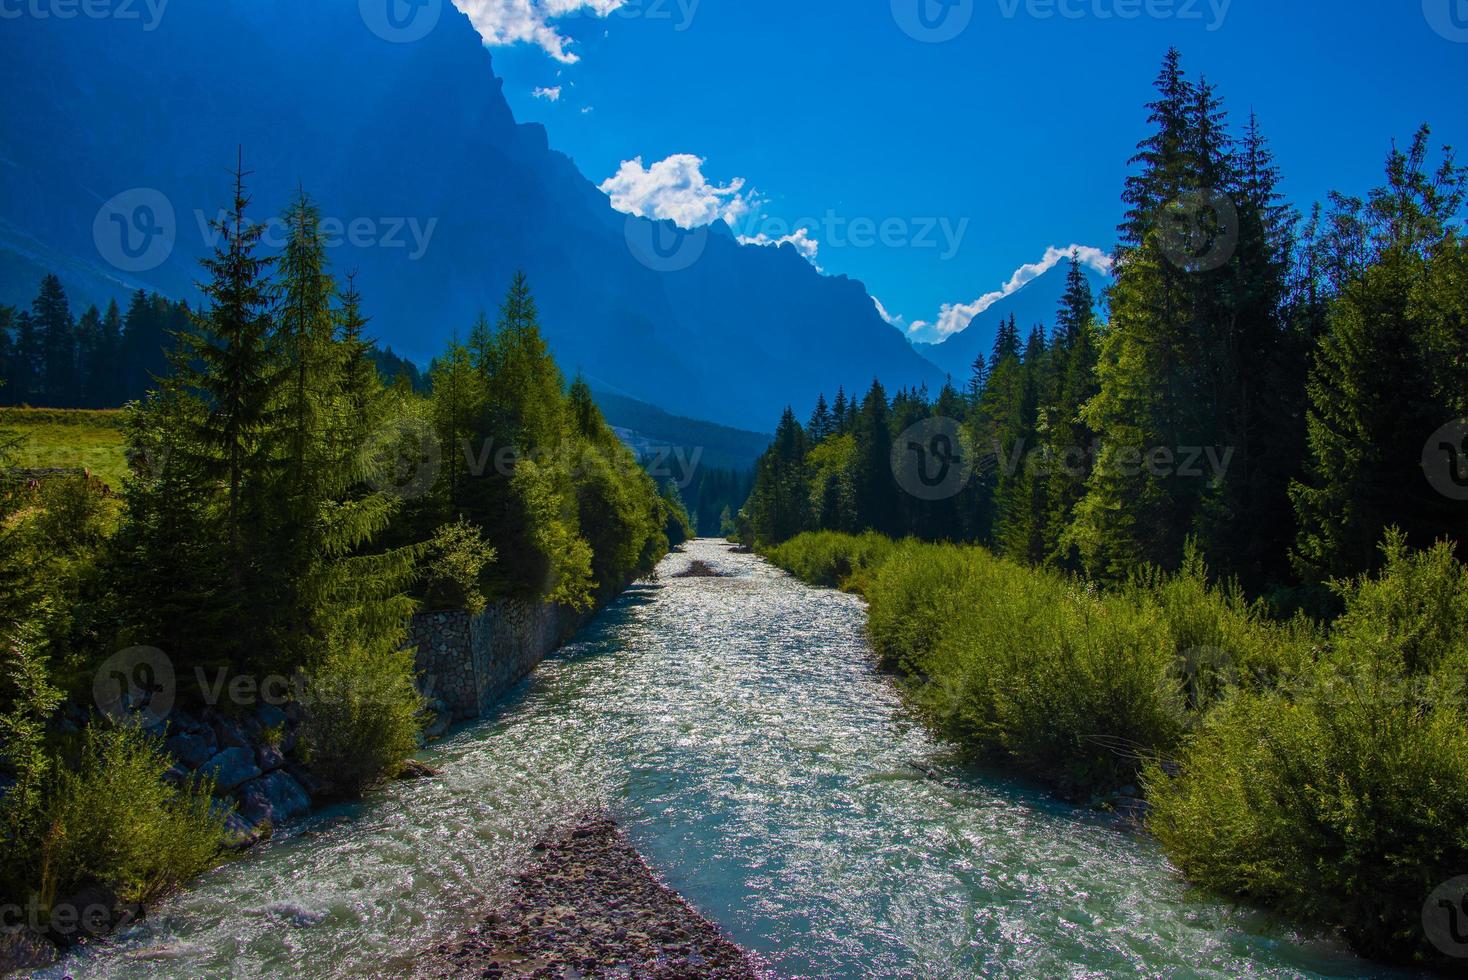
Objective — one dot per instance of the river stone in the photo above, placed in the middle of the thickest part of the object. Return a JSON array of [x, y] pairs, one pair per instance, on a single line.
[[275, 799], [268, 757], [230, 768], [192, 750], [22, 949], [230, 732], [91, 912]]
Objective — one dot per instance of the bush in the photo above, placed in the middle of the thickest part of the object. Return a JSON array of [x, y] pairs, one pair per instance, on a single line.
[[1025, 665], [362, 715], [456, 558], [1341, 799], [112, 820], [831, 559]]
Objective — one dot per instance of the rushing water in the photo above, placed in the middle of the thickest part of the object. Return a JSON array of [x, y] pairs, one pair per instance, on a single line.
[[737, 727]]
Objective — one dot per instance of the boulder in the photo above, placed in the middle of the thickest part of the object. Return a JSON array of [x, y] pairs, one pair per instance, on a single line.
[[90, 913], [177, 775], [268, 757], [442, 719], [23, 949], [274, 799], [239, 833], [230, 768], [413, 769], [231, 734], [192, 750], [270, 716], [306, 779]]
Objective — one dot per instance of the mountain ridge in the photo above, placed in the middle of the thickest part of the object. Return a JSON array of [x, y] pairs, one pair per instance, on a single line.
[[386, 134]]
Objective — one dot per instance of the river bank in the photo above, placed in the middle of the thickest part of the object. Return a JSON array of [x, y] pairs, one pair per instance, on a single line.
[[739, 731], [591, 907]]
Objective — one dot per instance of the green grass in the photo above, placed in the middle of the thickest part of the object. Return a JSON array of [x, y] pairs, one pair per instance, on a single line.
[[53, 438]]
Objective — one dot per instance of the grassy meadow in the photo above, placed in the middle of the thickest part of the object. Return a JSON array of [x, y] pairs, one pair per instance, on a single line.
[[69, 439]]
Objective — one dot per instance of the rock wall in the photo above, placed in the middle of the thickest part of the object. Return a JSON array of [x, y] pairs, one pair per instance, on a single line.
[[468, 663]]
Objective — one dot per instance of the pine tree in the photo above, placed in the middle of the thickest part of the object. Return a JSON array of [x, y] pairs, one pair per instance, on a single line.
[[52, 317], [1163, 157], [1165, 370], [779, 506], [105, 373], [1376, 376], [459, 396], [840, 413], [229, 361], [1022, 490], [821, 424], [1070, 441], [306, 337], [8, 366], [876, 487], [88, 353], [978, 375], [28, 380]]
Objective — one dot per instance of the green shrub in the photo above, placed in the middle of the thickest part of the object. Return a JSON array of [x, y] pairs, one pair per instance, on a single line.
[[362, 715], [1343, 798], [831, 559], [456, 558], [111, 819], [1221, 639]]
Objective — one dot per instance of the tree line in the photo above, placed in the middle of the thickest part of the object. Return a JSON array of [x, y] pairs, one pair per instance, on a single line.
[[1266, 386], [285, 514], [50, 358]]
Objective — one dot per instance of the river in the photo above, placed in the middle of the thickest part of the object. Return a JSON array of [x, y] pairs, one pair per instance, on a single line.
[[738, 729]]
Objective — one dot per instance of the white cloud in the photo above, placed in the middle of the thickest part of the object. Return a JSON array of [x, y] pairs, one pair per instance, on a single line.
[[552, 94], [807, 246], [675, 189], [954, 317], [504, 22]]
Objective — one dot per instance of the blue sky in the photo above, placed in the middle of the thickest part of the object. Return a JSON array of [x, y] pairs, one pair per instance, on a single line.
[[933, 170]]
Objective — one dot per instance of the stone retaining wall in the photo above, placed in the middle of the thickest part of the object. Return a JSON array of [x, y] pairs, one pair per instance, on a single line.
[[470, 662]]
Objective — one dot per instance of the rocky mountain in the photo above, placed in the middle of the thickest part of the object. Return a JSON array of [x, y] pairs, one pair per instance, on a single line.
[[116, 142], [1034, 303]]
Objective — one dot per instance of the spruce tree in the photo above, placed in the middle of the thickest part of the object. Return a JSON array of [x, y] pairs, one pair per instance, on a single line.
[[1377, 376], [229, 362], [30, 359], [52, 318], [876, 487], [1070, 441], [88, 354], [821, 424]]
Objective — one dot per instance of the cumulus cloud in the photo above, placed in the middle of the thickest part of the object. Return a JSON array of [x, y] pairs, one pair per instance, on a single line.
[[807, 246], [954, 317], [551, 94], [504, 22], [676, 190]]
